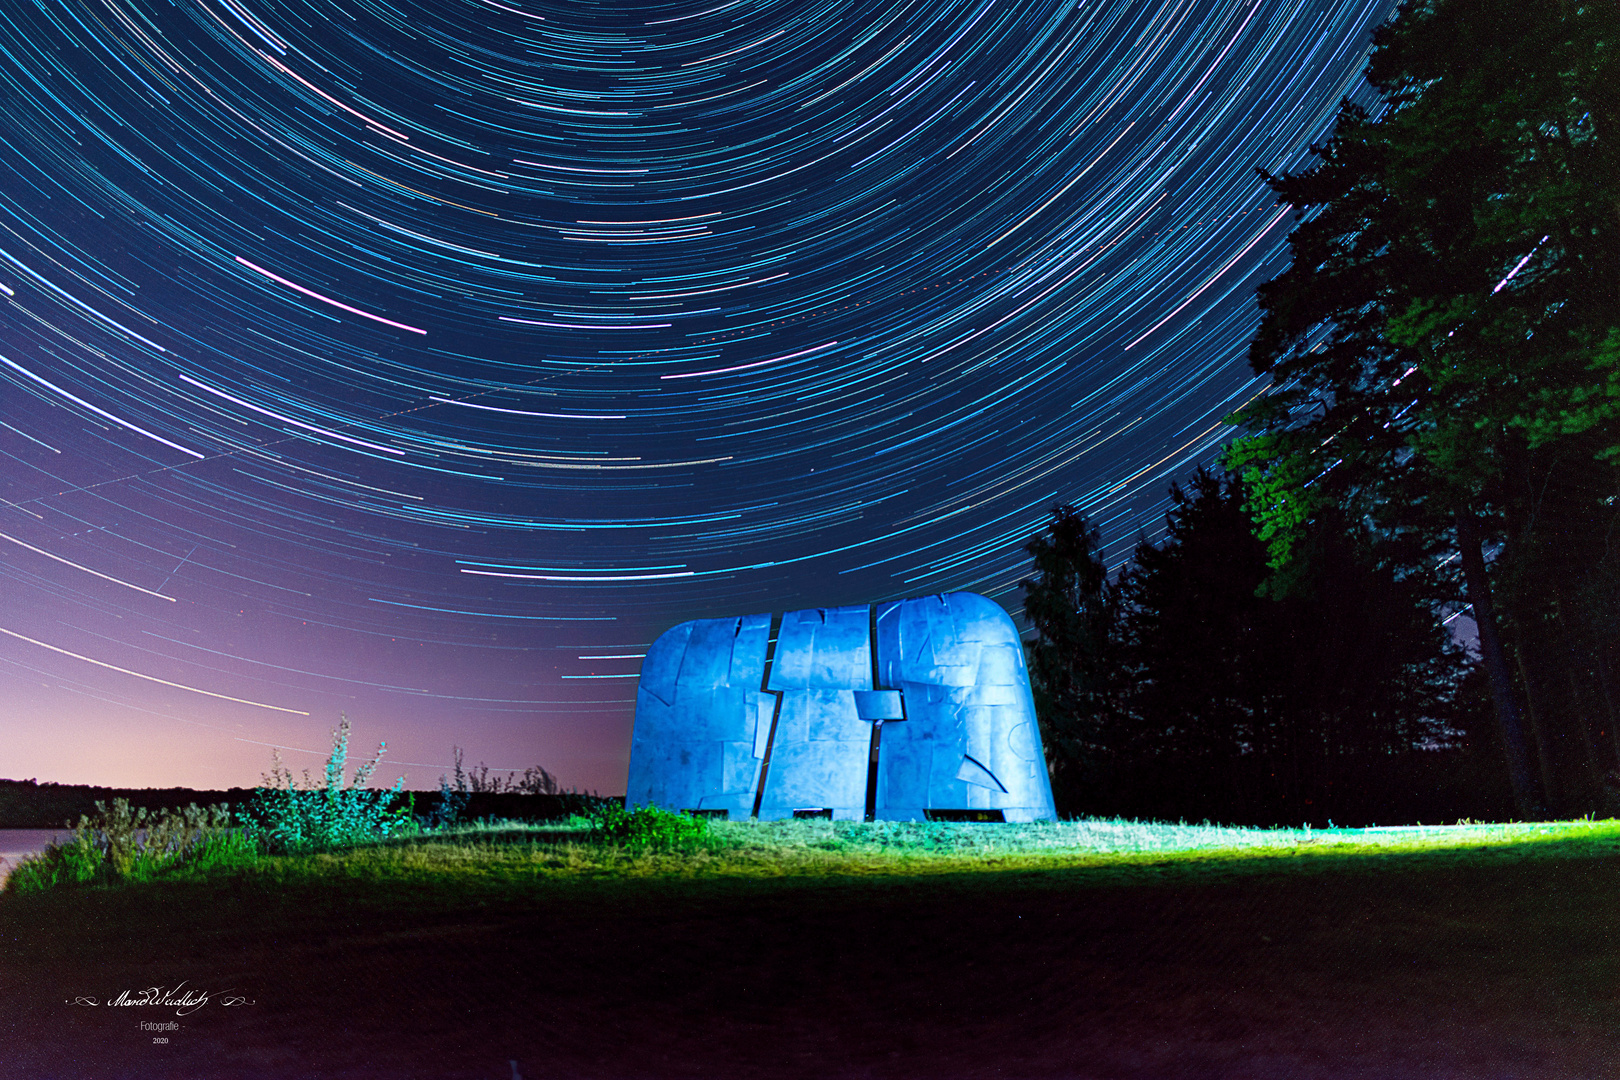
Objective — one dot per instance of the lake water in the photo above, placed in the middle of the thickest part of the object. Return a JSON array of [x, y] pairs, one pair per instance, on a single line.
[[15, 843]]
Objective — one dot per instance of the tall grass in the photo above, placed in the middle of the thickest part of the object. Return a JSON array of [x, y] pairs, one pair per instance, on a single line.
[[121, 844]]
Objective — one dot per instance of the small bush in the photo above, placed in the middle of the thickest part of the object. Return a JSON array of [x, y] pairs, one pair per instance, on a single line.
[[284, 818], [461, 798], [536, 781], [648, 827], [452, 800], [124, 843]]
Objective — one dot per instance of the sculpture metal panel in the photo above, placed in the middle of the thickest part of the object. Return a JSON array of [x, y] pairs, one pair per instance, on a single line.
[[894, 711]]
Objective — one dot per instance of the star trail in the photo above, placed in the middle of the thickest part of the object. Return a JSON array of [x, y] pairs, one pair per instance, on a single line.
[[425, 361]]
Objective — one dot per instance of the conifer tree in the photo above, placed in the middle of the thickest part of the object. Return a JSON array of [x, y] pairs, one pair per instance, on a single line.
[[1072, 608]]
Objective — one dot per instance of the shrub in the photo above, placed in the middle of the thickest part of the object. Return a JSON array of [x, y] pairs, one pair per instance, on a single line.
[[471, 789], [125, 843], [536, 781], [452, 801], [648, 827], [284, 818]]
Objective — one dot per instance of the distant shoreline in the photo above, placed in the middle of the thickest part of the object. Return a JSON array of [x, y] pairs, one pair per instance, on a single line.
[[28, 804]]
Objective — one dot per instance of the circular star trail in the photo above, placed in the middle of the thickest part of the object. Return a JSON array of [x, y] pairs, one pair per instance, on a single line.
[[425, 361]]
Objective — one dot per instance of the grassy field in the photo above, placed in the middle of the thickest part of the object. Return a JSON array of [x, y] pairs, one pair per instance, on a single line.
[[820, 949]]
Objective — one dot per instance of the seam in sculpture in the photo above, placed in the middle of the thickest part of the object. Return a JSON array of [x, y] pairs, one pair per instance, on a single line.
[[776, 709], [981, 765], [877, 725]]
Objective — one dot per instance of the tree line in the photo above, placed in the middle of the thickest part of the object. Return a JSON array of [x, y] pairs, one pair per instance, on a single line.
[[1439, 441]]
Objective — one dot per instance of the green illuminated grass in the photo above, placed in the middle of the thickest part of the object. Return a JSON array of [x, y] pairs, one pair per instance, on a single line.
[[511, 854], [1118, 837], [493, 854]]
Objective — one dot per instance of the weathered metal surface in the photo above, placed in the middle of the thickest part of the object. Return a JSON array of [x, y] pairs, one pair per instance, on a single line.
[[893, 710]]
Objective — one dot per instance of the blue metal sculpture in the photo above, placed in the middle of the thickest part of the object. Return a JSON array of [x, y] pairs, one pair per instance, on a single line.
[[905, 710]]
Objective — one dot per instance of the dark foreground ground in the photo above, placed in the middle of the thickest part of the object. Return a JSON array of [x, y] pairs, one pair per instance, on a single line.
[[1427, 966]]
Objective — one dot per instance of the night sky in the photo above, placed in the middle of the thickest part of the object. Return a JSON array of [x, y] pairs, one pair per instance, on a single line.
[[425, 361]]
